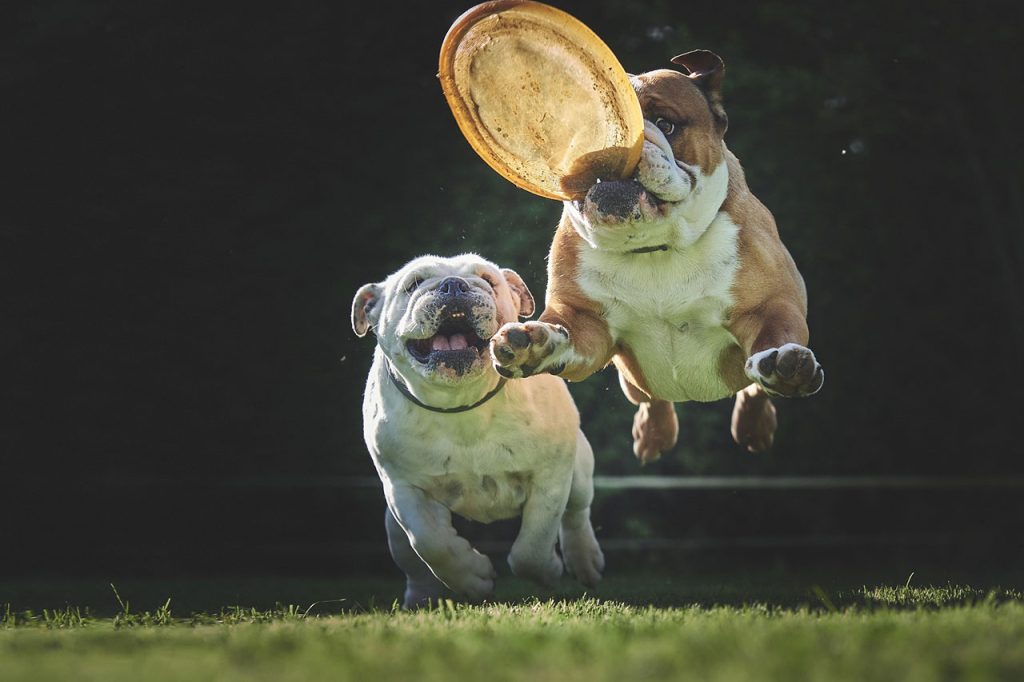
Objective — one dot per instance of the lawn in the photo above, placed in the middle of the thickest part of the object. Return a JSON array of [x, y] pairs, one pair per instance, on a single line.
[[642, 627]]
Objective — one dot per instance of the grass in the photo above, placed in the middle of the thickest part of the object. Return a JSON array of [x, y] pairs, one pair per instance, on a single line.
[[641, 627]]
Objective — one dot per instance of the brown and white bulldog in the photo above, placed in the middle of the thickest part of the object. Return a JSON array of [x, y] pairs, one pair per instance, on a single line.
[[677, 275]]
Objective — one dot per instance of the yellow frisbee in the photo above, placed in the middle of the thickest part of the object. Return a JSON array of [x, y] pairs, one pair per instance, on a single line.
[[540, 97]]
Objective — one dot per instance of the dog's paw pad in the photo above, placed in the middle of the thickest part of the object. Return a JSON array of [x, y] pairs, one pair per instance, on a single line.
[[518, 339], [790, 371], [523, 349]]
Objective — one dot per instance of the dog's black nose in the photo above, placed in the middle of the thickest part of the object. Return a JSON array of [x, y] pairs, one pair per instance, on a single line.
[[453, 286], [618, 198]]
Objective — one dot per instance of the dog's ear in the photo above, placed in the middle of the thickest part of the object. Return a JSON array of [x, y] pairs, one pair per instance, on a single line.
[[366, 308], [707, 70], [518, 286]]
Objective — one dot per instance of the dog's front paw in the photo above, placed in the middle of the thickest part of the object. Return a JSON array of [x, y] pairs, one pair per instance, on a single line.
[[471, 575], [462, 569], [583, 556], [521, 349], [422, 595], [544, 568], [790, 371]]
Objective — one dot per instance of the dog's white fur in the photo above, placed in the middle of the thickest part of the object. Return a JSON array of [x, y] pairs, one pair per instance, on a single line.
[[519, 453], [677, 326]]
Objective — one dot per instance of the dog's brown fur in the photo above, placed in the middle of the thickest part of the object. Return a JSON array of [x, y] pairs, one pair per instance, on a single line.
[[769, 298]]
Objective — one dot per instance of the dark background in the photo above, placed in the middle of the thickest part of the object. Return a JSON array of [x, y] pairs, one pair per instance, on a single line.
[[193, 194]]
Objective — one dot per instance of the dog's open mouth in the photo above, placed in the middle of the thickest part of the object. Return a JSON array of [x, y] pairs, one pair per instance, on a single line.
[[455, 343]]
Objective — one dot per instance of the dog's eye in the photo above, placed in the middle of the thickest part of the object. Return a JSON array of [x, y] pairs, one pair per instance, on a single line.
[[413, 284], [666, 126], [490, 281]]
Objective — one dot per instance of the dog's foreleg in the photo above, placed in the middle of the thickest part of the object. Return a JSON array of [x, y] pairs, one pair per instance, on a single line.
[[774, 340], [775, 358], [422, 587], [428, 526], [580, 551], [570, 343]]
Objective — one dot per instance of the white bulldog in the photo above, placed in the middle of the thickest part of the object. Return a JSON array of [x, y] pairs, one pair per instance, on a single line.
[[448, 434]]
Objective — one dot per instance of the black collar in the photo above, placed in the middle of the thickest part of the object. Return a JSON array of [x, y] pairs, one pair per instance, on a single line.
[[404, 390], [649, 249]]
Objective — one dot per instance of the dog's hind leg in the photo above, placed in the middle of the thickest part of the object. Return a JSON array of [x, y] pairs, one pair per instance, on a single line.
[[753, 419], [655, 425], [421, 587], [533, 554], [580, 552]]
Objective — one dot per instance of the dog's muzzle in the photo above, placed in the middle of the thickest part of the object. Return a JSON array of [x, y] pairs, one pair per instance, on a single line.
[[659, 179], [455, 343]]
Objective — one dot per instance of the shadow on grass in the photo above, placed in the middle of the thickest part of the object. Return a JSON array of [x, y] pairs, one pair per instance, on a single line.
[[818, 585]]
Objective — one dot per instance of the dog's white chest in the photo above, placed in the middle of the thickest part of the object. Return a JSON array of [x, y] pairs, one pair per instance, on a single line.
[[482, 464], [669, 309]]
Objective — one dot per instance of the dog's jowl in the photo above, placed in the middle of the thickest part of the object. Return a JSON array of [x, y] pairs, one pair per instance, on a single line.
[[448, 434], [677, 275]]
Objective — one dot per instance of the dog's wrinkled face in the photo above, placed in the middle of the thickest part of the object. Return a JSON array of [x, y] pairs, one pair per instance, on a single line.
[[434, 317], [682, 178]]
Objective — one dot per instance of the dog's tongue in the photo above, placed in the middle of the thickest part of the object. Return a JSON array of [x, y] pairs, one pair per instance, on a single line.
[[454, 342]]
